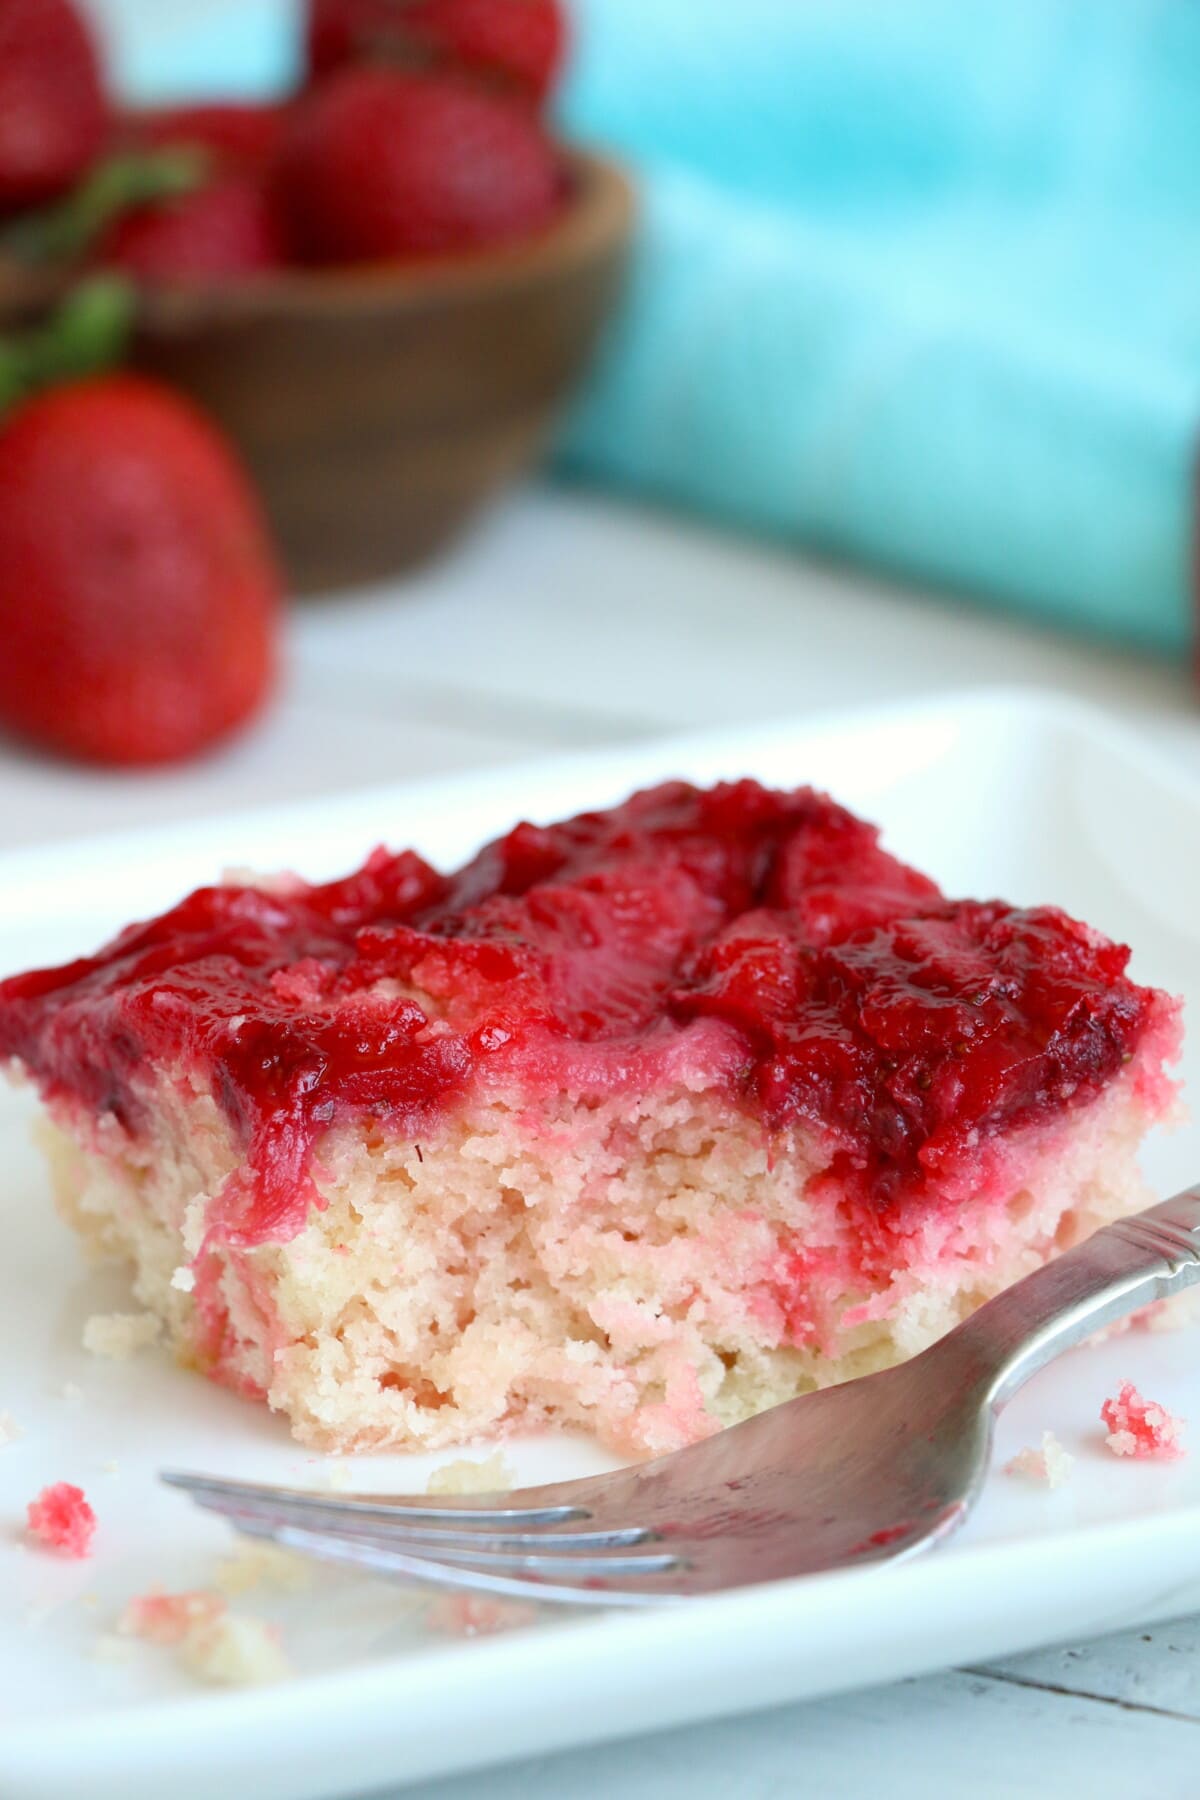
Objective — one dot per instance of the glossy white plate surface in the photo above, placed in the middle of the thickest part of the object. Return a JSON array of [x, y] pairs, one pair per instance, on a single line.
[[995, 794]]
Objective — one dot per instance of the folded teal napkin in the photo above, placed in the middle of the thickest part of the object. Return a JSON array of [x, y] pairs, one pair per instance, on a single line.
[[917, 281]]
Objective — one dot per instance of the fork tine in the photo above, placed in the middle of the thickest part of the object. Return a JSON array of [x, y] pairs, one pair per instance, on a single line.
[[548, 1560], [387, 1529], [264, 1498], [429, 1572]]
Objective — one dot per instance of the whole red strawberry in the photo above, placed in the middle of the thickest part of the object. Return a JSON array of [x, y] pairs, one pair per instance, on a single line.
[[225, 228], [379, 165], [139, 597], [519, 43], [53, 115]]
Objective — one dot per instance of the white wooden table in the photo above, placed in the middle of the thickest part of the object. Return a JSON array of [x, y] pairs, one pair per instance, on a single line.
[[569, 620]]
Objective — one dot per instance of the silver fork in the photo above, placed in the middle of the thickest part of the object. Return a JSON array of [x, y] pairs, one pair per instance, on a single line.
[[870, 1471]]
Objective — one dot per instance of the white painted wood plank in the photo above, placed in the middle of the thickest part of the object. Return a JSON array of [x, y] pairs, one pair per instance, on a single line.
[[1158, 1668], [310, 745], [594, 609], [942, 1738], [567, 621]]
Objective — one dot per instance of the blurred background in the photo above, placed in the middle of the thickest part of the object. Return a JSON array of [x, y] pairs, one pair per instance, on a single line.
[[608, 367]]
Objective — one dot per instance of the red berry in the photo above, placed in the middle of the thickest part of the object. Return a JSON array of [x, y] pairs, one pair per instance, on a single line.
[[234, 132], [53, 114], [139, 596], [224, 228], [379, 165], [517, 42]]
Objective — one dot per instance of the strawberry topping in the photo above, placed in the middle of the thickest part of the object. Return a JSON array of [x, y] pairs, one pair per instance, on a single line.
[[763, 937]]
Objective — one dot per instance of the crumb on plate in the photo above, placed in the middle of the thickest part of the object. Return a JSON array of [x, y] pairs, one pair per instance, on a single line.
[[167, 1619], [491, 1476], [10, 1431], [1050, 1464], [71, 1390], [229, 1649], [1140, 1428], [61, 1519], [235, 1650], [119, 1335], [262, 1565]]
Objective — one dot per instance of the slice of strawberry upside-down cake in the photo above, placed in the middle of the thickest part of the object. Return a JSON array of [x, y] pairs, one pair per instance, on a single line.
[[639, 1122]]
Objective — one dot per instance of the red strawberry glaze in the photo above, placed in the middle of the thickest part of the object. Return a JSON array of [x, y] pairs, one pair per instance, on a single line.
[[762, 942]]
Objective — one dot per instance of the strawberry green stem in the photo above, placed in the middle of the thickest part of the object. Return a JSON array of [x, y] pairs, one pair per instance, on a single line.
[[87, 333], [69, 228]]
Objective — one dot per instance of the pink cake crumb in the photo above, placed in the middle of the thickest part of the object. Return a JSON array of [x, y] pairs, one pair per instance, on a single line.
[[61, 1519], [1140, 1428], [1051, 1464], [212, 1643], [168, 1619]]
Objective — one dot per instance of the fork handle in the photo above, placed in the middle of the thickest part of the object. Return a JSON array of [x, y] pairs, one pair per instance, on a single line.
[[1148, 1256]]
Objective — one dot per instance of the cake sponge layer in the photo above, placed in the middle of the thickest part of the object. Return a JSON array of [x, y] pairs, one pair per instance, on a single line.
[[649, 1270]]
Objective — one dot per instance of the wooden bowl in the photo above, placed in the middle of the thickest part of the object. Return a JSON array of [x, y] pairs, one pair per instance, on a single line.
[[378, 408]]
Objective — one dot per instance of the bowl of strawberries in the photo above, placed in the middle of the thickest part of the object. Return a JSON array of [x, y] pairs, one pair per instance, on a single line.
[[382, 287]]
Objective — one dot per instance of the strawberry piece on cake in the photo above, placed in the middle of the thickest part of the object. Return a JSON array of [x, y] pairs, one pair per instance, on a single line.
[[1141, 1428], [640, 1122]]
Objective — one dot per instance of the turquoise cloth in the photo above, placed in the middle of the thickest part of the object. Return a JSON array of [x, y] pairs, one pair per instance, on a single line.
[[917, 281]]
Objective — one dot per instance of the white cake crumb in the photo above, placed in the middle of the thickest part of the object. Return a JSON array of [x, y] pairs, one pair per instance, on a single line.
[[112, 1466], [230, 1649], [71, 1390], [337, 1475], [167, 1619], [262, 1565], [184, 1279], [108, 1647], [492, 1476], [10, 1431], [235, 1650], [1051, 1464], [120, 1335]]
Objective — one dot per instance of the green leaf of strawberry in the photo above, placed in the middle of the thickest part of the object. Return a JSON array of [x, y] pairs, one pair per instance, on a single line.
[[66, 230], [88, 332]]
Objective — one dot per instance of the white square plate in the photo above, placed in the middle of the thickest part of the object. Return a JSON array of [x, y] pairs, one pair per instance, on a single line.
[[996, 793]]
